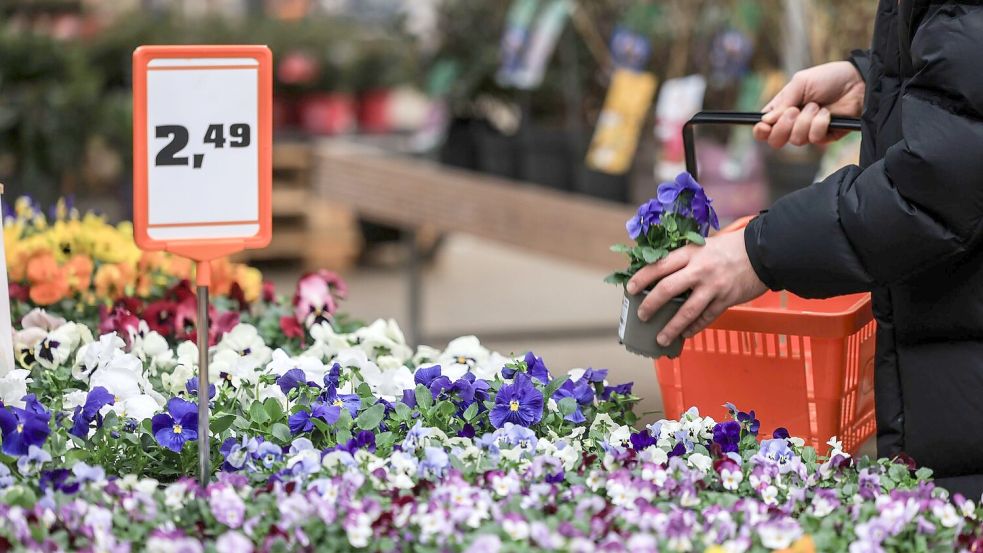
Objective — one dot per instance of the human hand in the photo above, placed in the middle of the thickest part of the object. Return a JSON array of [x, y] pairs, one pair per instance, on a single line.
[[718, 274], [800, 112]]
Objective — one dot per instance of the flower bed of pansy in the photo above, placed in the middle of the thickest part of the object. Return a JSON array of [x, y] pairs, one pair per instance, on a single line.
[[335, 436]]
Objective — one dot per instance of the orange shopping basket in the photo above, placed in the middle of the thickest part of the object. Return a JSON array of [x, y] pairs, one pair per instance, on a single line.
[[807, 365]]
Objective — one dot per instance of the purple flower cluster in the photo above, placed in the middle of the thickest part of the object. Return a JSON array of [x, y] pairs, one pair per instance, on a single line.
[[682, 196]]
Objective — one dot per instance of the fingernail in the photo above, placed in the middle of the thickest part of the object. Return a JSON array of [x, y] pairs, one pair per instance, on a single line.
[[663, 340], [632, 287], [643, 315]]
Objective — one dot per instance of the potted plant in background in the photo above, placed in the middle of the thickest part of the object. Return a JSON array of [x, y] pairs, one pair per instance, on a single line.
[[679, 215]]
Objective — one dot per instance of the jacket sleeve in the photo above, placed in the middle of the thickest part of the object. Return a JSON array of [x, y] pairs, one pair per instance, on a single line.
[[861, 60], [918, 206]]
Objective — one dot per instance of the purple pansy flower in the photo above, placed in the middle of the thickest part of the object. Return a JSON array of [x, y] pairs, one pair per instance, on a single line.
[[303, 420], [727, 435], [177, 426], [535, 367], [294, 378], [192, 386], [519, 403], [620, 389], [686, 197], [648, 214], [427, 375], [23, 428], [96, 399], [352, 402], [642, 440], [581, 392]]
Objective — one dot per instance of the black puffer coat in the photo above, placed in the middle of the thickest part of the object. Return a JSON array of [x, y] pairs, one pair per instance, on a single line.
[[907, 224]]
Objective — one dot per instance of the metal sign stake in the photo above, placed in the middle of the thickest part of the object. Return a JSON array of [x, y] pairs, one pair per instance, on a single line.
[[203, 272]]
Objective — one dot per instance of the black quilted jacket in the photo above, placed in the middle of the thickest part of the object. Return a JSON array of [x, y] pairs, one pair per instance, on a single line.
[[907, 224]]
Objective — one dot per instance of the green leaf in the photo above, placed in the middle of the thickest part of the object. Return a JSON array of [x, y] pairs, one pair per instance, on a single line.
[[621, 248], [898, 472], [651, 255], [344, 420], [567, 406], [403, 411], [619, 278], [809, 455], [281, 432], [446, 408], [695, 238], [471, 412], [553, 386], [343, 436], [371, 417], [222, 423], [257, 413], [273, 409], [424, 399], [923, 473]]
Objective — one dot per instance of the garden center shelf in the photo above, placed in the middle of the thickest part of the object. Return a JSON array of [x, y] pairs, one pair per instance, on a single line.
[[395, 189], [310, 229]]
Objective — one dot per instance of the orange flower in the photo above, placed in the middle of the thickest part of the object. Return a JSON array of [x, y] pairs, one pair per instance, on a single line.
[[153, 262], [805, 544], [79, 270], [112, 280], [180, 267], [49, 282], [223, 276]]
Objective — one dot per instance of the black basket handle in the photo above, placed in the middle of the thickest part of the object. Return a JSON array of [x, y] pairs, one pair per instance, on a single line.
[[740, 118]]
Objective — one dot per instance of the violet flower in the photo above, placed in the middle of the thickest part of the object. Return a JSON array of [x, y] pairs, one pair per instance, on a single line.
[[727, 435], [23, 428], [177, 426], [519, 403], [83, 416]]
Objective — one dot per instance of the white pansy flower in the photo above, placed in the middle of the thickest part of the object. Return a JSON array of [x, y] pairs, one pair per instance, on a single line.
[[779, 535], [153, 348], [187, 353], [620, 436], [139, 407], [73, 399], [175, 382], [13, 387], [314, 369], [24, 343], [95, 355], [947, 515], [383, 337], [245, 341], [463, 355], [229, 366], [39, 318], [700, 461], [425, 355], [327, 342], [55, 349]]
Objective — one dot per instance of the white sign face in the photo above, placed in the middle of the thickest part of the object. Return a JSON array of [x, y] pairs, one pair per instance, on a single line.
[[202, 170], [201, 164]]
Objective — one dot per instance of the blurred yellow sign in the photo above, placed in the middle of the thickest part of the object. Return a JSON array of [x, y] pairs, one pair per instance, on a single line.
[[616, 136]]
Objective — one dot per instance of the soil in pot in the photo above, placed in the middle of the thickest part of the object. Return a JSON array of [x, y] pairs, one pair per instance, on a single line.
[[638, 337]]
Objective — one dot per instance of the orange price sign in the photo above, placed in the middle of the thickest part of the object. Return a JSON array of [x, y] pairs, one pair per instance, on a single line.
[[202, 149], [202, 165]]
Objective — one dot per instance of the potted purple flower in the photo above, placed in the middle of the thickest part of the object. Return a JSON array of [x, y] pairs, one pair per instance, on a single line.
[[680, 214]]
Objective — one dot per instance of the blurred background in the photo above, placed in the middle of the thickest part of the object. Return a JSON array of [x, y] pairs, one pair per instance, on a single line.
[[463, 163]]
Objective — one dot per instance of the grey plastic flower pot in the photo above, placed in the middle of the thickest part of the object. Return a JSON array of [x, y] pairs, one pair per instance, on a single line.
[[638, 337]]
